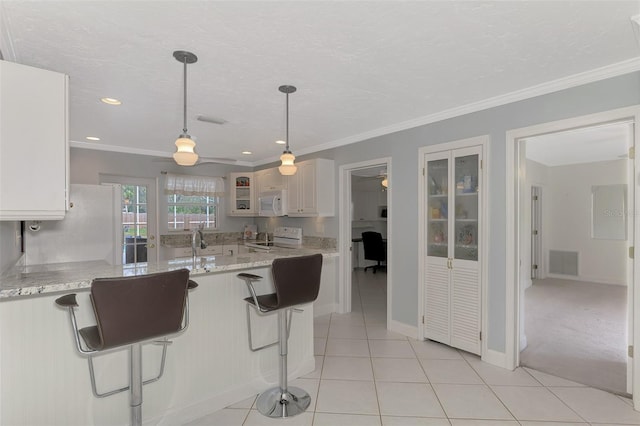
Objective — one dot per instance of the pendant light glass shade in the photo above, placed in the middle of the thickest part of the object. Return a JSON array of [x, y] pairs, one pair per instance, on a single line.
[[185, 154], [287, 168], [385, 182]]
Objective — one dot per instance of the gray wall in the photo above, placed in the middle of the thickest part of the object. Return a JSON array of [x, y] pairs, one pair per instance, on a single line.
[[403, 147]]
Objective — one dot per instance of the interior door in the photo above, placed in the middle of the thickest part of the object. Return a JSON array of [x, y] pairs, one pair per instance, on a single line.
[[465, 272], [437, 302]]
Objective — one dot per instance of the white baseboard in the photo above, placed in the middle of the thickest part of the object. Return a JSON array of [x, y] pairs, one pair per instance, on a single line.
[[527, 283], [218, 402], [326, 309], [402, 328], [499, 359], [589, 279], [523, 342]]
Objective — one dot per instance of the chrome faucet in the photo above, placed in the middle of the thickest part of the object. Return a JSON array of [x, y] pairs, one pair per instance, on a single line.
[[194, 238]]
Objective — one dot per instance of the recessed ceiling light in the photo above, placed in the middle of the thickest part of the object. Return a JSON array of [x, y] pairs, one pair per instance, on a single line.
[[111, 101], [281, 142], [247, 152], [93, 138]]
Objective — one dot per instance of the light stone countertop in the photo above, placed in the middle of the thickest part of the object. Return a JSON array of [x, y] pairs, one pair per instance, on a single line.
[[60, 277]]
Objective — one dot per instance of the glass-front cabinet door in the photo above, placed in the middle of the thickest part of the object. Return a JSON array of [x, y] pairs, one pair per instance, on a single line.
[[453, 184], [466, 207], [242, 190], [438, 206]]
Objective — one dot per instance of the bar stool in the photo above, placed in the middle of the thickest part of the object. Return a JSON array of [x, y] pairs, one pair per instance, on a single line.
[[296, 281], [129, 312]]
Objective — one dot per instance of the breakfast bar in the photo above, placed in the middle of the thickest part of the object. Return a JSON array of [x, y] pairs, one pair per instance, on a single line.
[[208, 367]]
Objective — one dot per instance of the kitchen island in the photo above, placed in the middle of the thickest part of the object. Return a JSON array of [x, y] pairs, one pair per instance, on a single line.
[[43, 380]]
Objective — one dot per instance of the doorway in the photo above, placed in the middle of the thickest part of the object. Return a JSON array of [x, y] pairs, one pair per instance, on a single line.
[[365, 204], [575, 319], [563, 261], [139, 220]]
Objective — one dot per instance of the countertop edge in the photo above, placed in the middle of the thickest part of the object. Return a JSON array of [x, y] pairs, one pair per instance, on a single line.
[[21, 284]]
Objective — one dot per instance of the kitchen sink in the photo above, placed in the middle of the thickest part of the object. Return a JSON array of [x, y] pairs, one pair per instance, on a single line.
[[263, 245]]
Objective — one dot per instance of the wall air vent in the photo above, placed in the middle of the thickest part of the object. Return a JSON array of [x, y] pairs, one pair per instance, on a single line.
[[563, 262]]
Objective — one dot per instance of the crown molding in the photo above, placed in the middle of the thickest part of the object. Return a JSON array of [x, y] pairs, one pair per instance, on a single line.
[[598, 74], [603, 73]]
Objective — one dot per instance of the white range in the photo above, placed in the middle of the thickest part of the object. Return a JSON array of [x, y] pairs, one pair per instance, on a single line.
[[283, 236]]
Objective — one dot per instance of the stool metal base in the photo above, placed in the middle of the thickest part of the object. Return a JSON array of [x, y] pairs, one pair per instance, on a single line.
[[274, 403]]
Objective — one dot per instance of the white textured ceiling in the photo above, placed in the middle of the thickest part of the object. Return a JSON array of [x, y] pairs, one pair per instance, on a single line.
[[360, 67], [585, 145]]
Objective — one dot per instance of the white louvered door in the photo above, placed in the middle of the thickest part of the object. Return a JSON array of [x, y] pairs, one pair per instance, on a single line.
[[452, 276], [465, 306]]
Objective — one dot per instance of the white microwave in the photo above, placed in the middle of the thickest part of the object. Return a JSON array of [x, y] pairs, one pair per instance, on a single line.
[[272, 203]]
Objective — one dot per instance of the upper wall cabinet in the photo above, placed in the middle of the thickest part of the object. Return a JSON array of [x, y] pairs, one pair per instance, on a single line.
[[242, 194], [269, 180], [34, 143], [312, 189]]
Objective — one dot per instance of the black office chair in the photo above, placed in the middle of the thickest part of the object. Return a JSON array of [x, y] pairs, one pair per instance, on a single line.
[[131, 311], [374, 249], [297, 282]]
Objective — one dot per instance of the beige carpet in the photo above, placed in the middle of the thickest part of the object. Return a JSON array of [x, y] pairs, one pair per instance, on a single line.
[[577, 330]]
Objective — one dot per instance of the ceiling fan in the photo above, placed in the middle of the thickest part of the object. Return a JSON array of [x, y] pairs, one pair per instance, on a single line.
[[381, 176], [200, 161]]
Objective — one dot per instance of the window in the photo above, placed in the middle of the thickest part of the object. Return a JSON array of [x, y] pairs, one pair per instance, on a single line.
[[192, 201], [189, 211]]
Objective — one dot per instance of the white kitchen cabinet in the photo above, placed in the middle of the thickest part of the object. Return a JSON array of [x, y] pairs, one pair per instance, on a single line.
[[242, 194], [34, 144], [452, 278], [311, 190], [269, 180]]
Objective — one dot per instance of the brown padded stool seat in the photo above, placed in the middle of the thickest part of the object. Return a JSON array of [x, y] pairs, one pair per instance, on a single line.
[[296, 280], [268, 302], [134, 309]]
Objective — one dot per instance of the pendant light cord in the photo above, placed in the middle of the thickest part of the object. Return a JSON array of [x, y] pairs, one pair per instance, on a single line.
[[184, 128], [287, 140]]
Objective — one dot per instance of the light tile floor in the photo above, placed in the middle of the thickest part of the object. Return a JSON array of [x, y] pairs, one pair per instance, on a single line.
[[366, 375]]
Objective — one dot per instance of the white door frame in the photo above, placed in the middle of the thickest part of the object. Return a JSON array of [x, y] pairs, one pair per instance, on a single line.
[[512, 318], [346, 246]]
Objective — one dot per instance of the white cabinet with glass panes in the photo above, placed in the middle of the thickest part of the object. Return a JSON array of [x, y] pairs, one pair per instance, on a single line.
[[242, 194], [453, 201]]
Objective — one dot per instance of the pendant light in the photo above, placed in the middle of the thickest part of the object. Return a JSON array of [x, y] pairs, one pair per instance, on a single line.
[[287, 168], [185, 154]]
